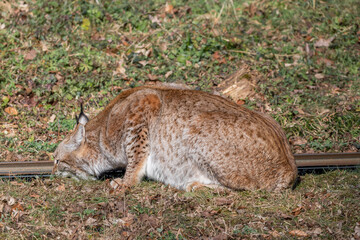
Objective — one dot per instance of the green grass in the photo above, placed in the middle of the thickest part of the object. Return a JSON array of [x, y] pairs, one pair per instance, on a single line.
[[55, 53], [323, 206]]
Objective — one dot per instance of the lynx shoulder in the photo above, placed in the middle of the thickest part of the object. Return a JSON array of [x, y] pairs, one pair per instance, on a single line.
[[184, 138]]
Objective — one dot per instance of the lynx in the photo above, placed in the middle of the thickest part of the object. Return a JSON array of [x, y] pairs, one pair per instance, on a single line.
[[183, 138]]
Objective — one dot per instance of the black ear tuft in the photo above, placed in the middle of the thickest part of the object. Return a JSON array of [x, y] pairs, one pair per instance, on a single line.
[[83, 119]]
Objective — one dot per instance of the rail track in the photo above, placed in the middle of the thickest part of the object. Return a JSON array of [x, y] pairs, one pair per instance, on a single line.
[[305, 163]]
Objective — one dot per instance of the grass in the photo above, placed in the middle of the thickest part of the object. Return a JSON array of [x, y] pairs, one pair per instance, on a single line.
[[56, 54], [323, 206]]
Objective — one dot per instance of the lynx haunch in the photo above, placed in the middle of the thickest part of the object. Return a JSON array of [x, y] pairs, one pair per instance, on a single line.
[[184, 138]]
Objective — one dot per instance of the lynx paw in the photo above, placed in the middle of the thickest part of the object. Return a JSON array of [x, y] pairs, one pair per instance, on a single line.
[[118, 186], [195, 186]]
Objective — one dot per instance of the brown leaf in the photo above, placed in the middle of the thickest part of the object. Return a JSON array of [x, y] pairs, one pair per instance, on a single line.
[[168, 74], [17, 206], [90, 221], [30, 55], [34, 195], [152, 77], [61, 188], [299, 141], [216, 55], [319, 76], [240, 102], [297, 211], [169, 8], [223, 201], [357, 230], [11, 111], [325, 61], [324, 42], [298, 233]]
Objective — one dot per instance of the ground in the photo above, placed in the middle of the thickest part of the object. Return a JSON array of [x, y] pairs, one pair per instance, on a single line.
[[56, 54], [323, 206]]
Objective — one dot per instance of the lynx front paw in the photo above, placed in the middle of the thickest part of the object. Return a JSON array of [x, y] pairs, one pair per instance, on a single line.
[[195, 186], [118, 186]]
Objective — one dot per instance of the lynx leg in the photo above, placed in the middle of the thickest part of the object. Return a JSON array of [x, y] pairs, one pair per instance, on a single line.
[[194, 186], [137, 151]]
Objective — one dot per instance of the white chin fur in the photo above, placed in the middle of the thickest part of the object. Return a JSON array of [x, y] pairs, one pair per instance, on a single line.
[[79, 176]]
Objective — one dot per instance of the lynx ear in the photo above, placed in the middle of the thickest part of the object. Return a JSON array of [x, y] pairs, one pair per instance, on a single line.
[[79, 135], [82, 119]]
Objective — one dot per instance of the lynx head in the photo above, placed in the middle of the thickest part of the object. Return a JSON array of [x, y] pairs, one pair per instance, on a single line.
[[72, 155]]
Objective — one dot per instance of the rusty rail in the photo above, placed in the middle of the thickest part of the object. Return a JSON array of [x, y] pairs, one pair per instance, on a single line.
[[307, 161]]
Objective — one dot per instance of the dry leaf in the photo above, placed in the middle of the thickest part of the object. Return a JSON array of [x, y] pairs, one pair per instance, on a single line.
[[298, 233], [325, 61], [297, 211], [52, 118], [317, 231], [152, 77], [223, 201], [11, 111], [169, 8], [275, 234], [11, 201], [357, 230], [44, 46], [324, 42], [17, 207], [61, 188], [168, 74], [90, 221], [30, 55], [120, 70], [319, 76], [299, 141], [240, 102], [34, 195]]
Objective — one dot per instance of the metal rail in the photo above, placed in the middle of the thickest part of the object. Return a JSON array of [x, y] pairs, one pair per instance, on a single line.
[[303, 161]]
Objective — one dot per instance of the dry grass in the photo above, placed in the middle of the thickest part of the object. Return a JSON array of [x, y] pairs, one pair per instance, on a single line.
[[323, 206]]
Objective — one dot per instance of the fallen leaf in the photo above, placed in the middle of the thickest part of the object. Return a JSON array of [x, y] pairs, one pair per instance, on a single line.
[[324, 42], [299, 141], [357, 230], [325, 61], [30, 55], [298, 233], [17, 207], [216, 55], [44, 46], [240, 102], [11, 201], [297, 211], [34, 195], [223, 201], [275, 234], [168, 74], [169, 8], [52, 118], [61, 188], [90, 221], [11, 111], [317, 231], [152, 77], [319, 76]]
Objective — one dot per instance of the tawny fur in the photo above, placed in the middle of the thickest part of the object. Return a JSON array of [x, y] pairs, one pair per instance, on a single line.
[[183, 138]]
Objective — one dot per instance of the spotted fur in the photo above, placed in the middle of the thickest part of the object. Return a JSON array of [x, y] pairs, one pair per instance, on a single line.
[[180, 137]]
